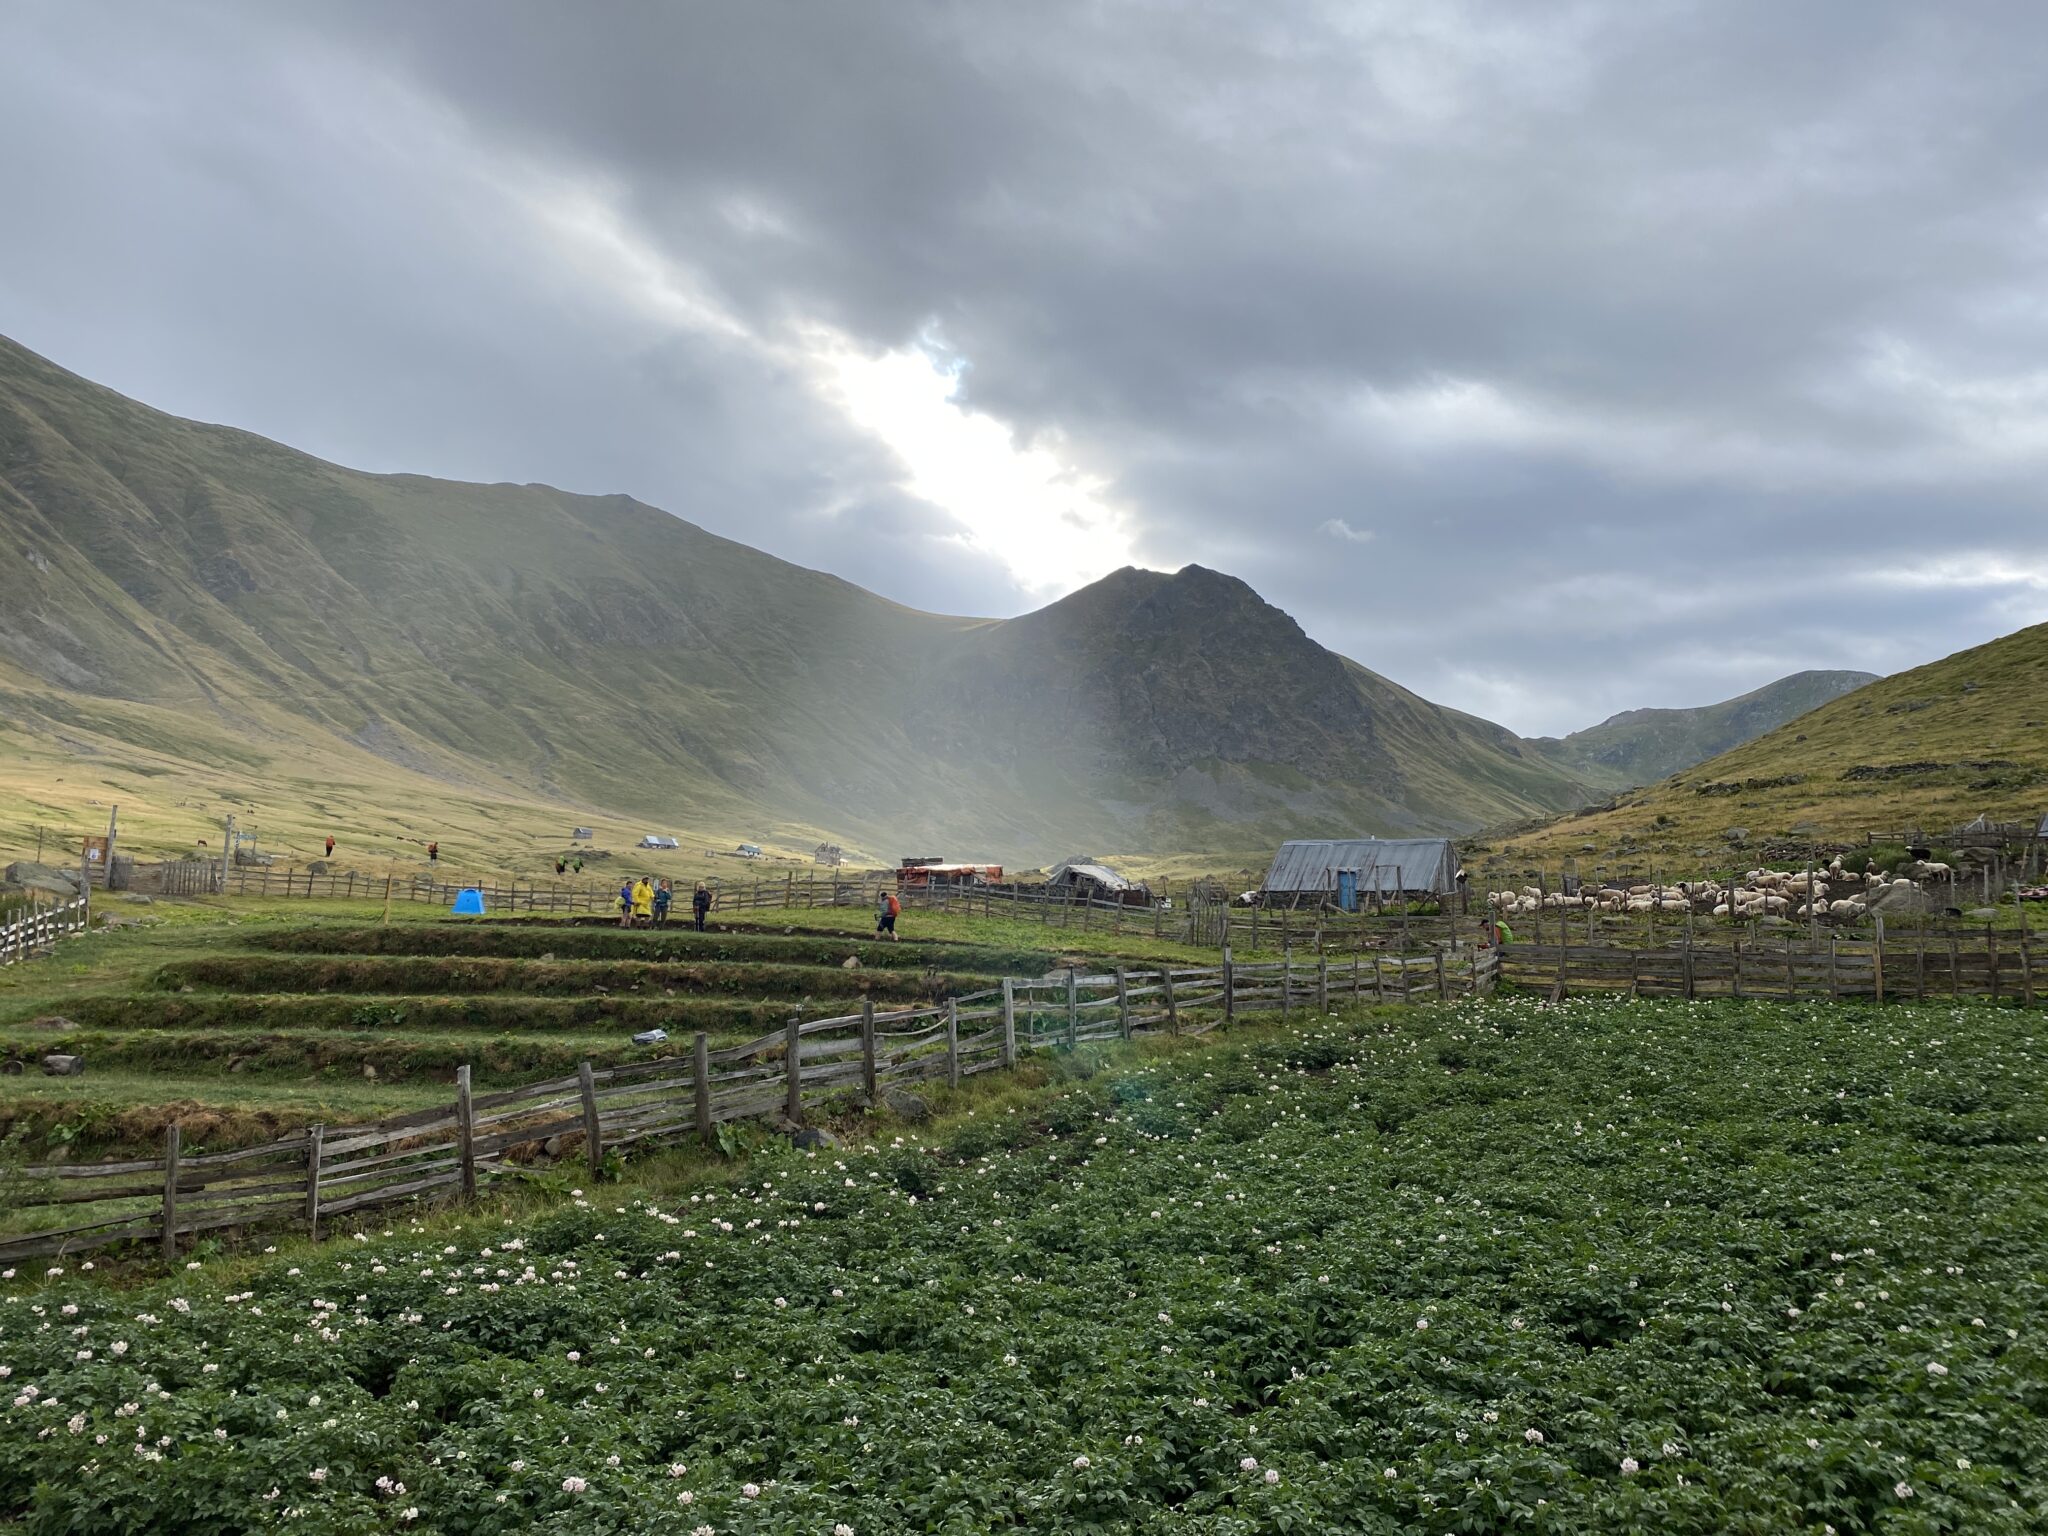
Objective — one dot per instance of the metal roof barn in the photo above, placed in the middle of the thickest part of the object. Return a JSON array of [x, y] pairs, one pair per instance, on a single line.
[[1070, 870], [1390, 866]]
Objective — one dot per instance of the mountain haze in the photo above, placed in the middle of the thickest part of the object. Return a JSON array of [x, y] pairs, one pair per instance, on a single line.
[[1640, 746], [205, 586]]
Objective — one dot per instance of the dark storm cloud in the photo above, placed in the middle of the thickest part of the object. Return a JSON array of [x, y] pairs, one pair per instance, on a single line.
[[1552, 364]]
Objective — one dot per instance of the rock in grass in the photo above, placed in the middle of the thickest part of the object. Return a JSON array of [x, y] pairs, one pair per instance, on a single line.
[[58, 1064], [812, 1137], [908, 1105]]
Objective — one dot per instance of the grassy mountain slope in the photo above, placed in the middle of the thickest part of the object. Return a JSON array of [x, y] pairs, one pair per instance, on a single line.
[[1933, 747], [1640, 746], [217, 597]]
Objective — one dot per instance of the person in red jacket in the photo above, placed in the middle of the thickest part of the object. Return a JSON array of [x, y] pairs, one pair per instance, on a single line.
[[887, 910], [330, 845], [433, 853]]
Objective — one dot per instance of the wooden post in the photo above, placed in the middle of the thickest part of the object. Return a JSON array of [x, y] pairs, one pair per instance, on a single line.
[[1009, 1021], [952, 1042], [387, 898], [1689, 982], [1322, 983], [113, 820], [1073, 1008], [793, 1070], [465, 1131], [867, 1047], [1229, 985], [593, 1150], [1834, 982], [316, 1138], [1877, 959], [1991, 957], [1166, 990], [171, 1192], [2026, 964], [1920, 968], [1123, 1005], [1442, 991], [700, 1086], [1286, 970]]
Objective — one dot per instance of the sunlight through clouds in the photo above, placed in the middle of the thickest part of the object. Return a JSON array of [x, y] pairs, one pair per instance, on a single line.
[[1049, 523]]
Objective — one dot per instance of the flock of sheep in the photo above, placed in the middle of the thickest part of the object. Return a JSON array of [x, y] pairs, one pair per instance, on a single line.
[[1830, 892]]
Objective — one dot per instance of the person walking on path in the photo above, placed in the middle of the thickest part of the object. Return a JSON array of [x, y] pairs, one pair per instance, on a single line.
[[700, 903], [561, 866], [643, 902], [578, 865], [662, 897], [887, 910], [330, 845], [626, 904], [433, 853]]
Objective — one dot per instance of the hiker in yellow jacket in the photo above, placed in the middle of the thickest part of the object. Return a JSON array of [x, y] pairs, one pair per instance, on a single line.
[[643, 902]]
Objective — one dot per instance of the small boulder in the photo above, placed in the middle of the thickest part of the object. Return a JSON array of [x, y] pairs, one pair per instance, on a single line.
[[905, 1104], [53, 1021], [11, 1067], [369, 1072], [850, 963], [57, 1064], [812, 1137], [548, 956], [317, 867]]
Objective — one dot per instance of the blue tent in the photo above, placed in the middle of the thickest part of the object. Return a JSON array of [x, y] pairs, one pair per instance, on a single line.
[[469, 904]]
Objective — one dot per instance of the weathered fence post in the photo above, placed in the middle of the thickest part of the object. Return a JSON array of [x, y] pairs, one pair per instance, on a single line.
[[316, 1138], [867, 1047], [952, 1042], [1009, 1021], [593, 1149], [1172, 1008], [1229, 985], [1123, 1005], [1877, 960], [793, 1070], [1286, 970], [465, 1131], [1991, 957], [171, 1192], [700, 1086], [1322, 983], [1073, 1008], [1442, 988]]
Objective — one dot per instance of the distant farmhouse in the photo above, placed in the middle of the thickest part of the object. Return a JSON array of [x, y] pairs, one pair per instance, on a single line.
[[1349, 872]]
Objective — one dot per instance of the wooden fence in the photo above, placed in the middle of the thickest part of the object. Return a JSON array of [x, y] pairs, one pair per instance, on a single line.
[[1906, 967], [317, 1175], [39, 928]]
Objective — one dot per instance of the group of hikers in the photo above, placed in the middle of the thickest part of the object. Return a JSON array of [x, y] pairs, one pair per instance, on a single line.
[[644, 903], [564, 865]]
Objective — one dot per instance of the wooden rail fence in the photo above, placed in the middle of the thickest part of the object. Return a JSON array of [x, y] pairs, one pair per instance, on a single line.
[[38, 929], [317, 1175], [1905, 967]]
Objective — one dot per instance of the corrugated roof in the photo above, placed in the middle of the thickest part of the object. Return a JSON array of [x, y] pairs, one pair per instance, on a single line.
[[1387, 865], [1101, 874]]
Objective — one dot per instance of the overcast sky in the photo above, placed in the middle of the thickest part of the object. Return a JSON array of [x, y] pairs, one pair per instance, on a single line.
[[1549, 359]]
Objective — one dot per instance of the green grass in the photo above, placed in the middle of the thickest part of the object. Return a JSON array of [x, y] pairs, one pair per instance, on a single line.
[[1977, 717], [1595, 1268]]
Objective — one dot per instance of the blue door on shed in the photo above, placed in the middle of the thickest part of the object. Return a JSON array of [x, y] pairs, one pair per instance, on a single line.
[[1347, 890]]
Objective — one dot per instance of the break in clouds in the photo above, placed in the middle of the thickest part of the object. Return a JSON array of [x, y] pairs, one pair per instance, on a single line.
[[1551, 361]]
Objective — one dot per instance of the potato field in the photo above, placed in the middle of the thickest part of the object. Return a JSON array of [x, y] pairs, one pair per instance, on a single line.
[[1603, 1266]]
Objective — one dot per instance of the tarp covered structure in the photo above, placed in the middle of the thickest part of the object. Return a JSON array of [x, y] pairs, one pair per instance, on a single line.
[[1392, 866]]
